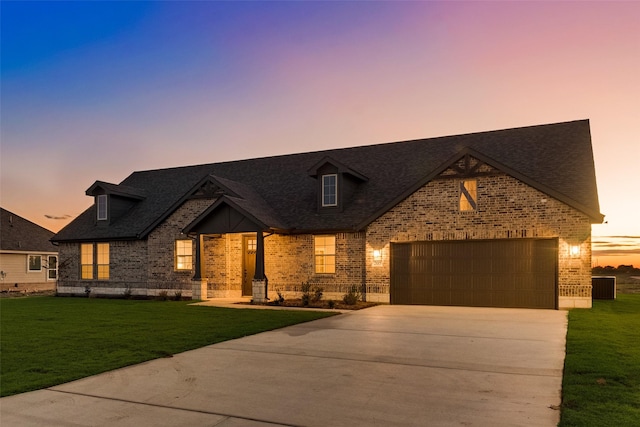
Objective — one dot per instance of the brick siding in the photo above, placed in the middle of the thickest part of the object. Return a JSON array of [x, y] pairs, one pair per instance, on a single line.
[[506, 208]]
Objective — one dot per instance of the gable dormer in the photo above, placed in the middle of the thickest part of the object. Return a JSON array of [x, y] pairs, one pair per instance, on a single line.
[[336, 184], [113, 200]]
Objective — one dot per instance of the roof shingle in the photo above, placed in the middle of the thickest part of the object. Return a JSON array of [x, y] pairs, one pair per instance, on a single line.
[[554, 156]]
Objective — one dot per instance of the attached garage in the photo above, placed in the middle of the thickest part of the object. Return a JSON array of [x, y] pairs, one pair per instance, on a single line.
[[480, 273]]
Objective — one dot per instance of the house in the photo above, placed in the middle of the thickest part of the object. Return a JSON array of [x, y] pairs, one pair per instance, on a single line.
[[500, 218], [28, 259]]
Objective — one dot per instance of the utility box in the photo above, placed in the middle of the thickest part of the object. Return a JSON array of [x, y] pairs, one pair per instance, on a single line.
[[603, 287]]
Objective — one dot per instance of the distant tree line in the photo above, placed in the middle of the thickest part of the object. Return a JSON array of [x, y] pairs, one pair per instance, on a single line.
[[610, 270]]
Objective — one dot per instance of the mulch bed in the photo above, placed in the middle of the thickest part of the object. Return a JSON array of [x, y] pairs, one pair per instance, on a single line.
[[338, 305]]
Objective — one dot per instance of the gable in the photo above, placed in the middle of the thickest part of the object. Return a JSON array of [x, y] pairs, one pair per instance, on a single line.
[[224, 217], [469, 163], [21, 235]]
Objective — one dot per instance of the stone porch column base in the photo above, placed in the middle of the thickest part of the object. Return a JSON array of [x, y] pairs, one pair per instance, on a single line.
[[259, 291], [199, 290]]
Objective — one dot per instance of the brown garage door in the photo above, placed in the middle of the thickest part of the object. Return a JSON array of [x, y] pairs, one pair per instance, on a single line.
[[485, 273]]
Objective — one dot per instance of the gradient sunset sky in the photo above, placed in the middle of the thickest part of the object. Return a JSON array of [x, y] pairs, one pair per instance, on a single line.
[[96, 90]]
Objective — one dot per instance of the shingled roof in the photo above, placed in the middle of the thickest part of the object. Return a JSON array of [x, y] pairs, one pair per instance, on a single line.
[[555, 158], [21, 235]]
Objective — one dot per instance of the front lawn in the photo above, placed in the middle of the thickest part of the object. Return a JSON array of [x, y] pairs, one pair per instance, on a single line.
[[601, 383], [46, 341]]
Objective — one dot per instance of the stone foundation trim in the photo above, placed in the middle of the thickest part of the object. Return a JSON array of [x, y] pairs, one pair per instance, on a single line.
[[565, 303], [118, 292]]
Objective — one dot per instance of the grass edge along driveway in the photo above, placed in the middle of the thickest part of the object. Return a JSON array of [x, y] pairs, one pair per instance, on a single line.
[[601, 381], [45, 341]]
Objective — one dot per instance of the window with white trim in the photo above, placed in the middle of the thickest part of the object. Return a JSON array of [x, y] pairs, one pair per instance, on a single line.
[[468, 195], [52, 267], [329, 190], [184, 254], [101, 202], [34, 263], [324, 248]]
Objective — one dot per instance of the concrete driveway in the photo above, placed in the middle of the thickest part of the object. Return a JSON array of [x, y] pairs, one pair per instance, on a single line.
[[382, 366]]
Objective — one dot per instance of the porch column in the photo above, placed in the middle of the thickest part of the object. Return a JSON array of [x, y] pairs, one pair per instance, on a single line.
[[198, 273], [260, 280], [199, 286]]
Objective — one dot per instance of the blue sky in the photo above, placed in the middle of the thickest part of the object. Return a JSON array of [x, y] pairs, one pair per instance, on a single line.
[[96, 90]]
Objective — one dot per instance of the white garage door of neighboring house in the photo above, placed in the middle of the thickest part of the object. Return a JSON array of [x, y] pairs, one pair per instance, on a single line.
[[480, 273]]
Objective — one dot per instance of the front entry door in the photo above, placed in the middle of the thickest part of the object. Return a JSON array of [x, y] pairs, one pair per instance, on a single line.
[[248, 264]]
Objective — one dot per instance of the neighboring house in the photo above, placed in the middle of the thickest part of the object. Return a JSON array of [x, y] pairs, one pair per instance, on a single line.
[[28, 259], [499, 218]]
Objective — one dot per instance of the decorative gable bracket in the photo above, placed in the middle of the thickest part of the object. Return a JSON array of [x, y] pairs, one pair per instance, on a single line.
[[468, 166], [211, 187]]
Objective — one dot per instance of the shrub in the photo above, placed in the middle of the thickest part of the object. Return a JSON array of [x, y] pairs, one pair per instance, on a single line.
[[279, 300], [163, 295], [351, 297], [127, 292], [178, 296], [305, 299], [306, 293], [331, 303], [317, 294]]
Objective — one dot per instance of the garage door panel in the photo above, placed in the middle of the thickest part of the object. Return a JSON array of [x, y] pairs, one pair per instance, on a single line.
[[494, 273], [482, 282], [441, 297]]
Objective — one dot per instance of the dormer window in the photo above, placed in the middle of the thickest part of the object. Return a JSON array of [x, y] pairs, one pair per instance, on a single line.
[[101, 202], [329, 190], [336, 184]]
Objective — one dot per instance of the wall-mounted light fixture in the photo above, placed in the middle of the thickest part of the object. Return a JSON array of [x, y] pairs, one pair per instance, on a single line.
[[574, 251], [377, 258]]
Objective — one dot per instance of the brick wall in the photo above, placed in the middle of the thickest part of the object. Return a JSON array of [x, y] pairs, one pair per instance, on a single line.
[[289, 262], [141, 267], [507, 208]]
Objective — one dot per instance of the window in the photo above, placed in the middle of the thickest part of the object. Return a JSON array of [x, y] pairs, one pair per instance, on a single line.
[[184, 254], [94, 261], [34, 263], [52, 267], [325, 254], [468, 195], [101, 201], [329, 190], [103, 261], [86, 261]]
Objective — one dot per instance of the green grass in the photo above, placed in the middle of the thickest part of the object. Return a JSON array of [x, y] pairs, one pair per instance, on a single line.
[[601, 383], [47, 340]]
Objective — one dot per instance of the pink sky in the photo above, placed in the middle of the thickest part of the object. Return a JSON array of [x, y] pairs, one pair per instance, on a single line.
[[167, 84]]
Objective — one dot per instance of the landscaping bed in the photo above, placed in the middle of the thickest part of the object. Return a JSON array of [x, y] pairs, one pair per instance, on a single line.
[[324, 304]]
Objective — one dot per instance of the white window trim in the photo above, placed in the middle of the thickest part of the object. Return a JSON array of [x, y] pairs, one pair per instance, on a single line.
[[52, 269], [29, 270], [101, 202], [323, 187]]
